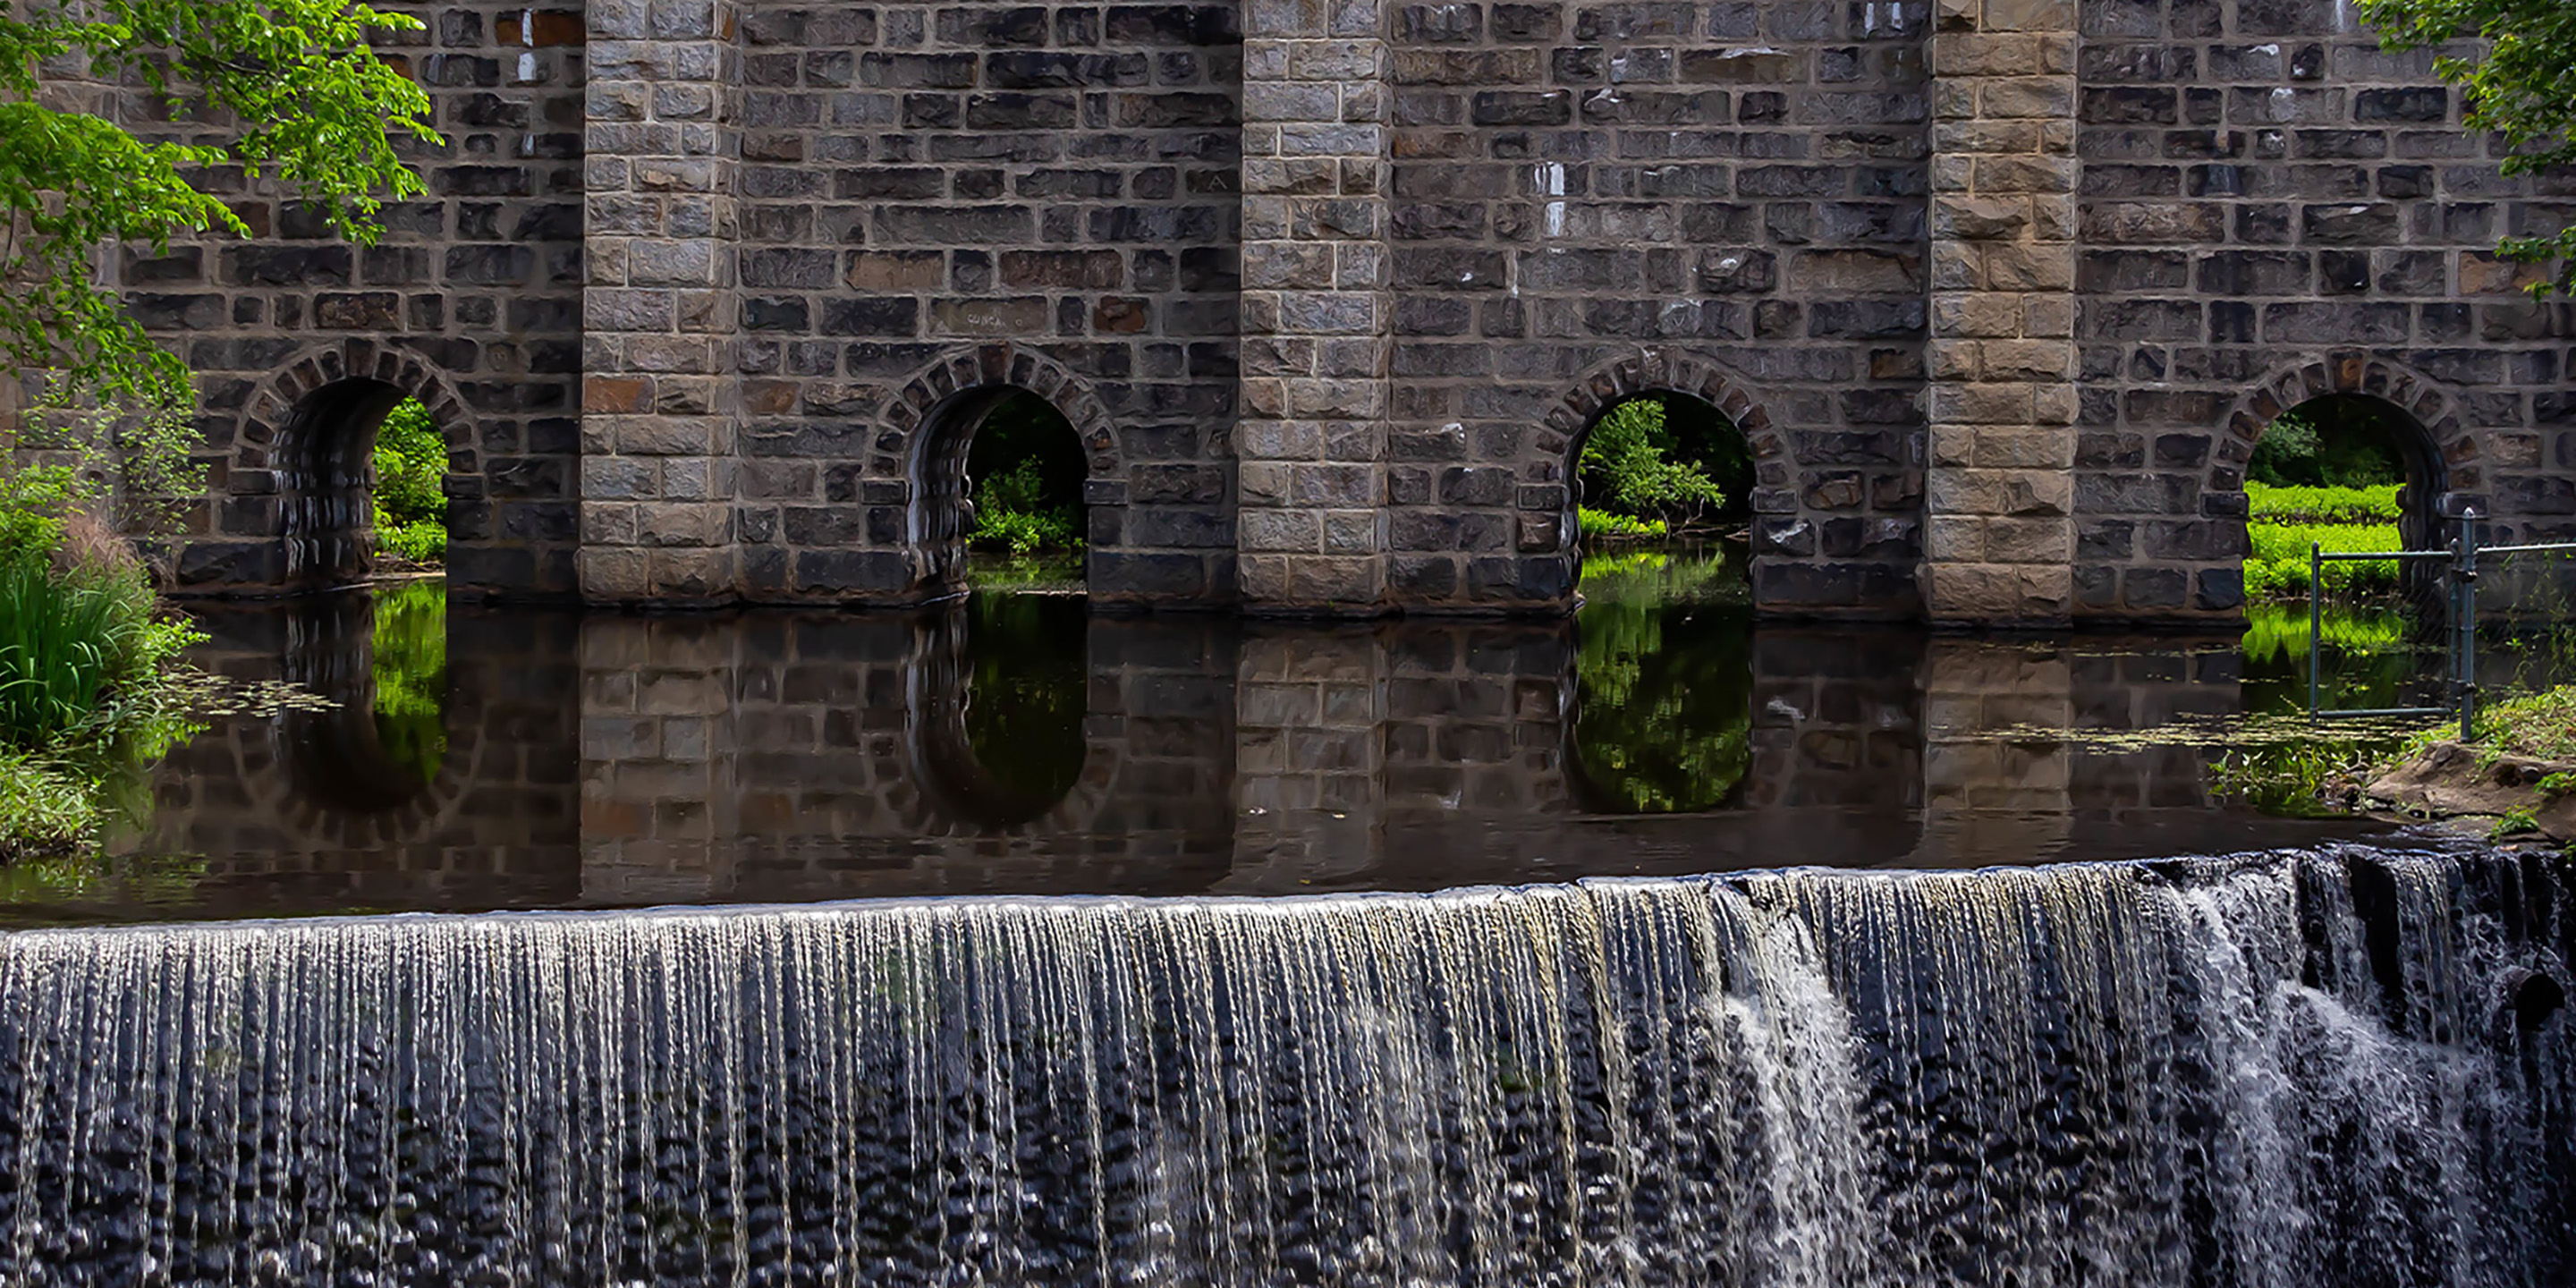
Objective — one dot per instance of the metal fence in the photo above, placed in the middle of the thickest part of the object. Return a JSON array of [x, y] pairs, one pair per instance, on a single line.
[[2451, 580]]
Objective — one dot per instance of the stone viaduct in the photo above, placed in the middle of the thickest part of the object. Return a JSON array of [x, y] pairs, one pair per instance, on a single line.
[[708, 295]]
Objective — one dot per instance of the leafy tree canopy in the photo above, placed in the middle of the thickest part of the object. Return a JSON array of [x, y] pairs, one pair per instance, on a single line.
[[286, 91], [2522, 84]]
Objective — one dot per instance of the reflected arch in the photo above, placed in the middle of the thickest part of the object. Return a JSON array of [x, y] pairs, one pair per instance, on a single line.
[[999, 737]]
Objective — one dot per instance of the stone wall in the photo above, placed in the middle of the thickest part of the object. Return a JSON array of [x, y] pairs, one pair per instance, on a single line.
[[470, 302], [1998, 291], [2274, 208], [1594, 200]]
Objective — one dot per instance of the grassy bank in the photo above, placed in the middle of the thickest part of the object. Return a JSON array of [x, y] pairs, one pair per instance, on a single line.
[[89, 684], [2282, 523]]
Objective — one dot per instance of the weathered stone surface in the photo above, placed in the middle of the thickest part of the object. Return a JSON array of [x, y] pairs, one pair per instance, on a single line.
[[1983, 287]]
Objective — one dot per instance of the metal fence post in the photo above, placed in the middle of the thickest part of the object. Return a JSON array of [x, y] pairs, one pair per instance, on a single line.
[[2464, 627], [2317, 642]]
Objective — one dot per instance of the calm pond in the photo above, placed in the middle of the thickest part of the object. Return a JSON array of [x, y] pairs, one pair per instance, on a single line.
[[480, 758]]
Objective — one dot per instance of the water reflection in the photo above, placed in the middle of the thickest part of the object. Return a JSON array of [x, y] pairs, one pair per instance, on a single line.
[[1012, 743], [1664, 680]]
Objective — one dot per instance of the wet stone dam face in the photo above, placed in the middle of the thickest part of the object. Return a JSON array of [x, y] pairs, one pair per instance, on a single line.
[[2346, 1067]]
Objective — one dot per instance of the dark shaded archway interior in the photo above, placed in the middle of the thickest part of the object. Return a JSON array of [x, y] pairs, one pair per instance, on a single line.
[[994, 451], [326, 471]]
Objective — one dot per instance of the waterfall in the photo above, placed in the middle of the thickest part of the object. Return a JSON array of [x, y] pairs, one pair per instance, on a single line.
[[2344, 1067]]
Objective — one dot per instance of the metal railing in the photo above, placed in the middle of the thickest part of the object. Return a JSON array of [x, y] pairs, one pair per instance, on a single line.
[[2460, 581]]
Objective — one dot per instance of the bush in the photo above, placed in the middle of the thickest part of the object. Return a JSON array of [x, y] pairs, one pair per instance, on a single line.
[[2343, 505], [1625, 455], [1604, 523], [411, 473], [1011, 514], [2277, 566]]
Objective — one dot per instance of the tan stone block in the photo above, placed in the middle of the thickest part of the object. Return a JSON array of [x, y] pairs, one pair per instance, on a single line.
[[1983, 54], [612, 575], [2030, 448], [1957, 359], [2026, 360], [2029, 266], [1954, 100], [1286, 531], [2048, 316], [1976, 316], [2040, 540], [2053, 217], [1954, 538], [613, 394], [2027, 15], [1996, 176], [2057, 55], [1982, 135], [1972, 592], [683, 524], [2006, 403], [2481, 273], [2028, 99], [1977, 218], [1954, 266], [1343, 581], [2053, 404], [1262, 579], [1953, 174], [1261, 482], [2029, 493], [1263, 398], [1952, 444]]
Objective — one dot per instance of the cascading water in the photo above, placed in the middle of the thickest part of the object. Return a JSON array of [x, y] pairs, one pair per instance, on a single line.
[[2338, 1068]]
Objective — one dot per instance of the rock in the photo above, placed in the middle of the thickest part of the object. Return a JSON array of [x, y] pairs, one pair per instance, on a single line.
[[2450, 779]]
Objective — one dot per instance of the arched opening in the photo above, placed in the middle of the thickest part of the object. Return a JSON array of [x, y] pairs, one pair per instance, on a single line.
[[1002, 488], [1002, 738], [363, 481], [1663, 666], [2347, 473]]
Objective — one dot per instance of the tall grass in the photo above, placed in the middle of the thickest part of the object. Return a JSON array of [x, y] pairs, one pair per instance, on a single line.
[[86, 699], [68, 642]]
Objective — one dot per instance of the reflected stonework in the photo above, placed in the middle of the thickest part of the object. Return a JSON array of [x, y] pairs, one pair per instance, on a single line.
[[1010, 746]]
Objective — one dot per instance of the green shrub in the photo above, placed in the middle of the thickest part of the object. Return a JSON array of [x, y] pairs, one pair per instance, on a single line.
[[1011, 514], [411, 472], [2278, 505], [71, 644], [1625, 464], [2277, 565], [1606, 523]]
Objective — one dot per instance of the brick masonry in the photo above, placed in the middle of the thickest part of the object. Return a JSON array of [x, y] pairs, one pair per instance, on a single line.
[[709, 296]]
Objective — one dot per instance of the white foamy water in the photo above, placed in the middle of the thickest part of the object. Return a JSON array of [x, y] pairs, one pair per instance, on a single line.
[[2292, 1070]]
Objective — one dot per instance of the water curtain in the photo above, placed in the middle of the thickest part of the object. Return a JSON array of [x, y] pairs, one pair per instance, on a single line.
[[2346, 1067]]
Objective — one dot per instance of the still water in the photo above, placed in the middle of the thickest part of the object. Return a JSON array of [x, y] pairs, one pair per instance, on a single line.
[[475, 758]]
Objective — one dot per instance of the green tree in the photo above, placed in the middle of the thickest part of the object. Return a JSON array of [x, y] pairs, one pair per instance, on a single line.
[[283, 91], [1626, 456], [2521, 84]]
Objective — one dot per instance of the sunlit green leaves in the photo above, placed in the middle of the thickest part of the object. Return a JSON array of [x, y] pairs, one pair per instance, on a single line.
[[2522, 84], [282, 90]]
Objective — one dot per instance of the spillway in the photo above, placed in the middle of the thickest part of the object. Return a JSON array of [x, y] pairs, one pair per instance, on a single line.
[[2337, 1067]]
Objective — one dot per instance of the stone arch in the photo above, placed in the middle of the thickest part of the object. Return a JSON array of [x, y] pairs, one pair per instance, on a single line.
[[929, 423], [2453, 450], [287, 499], [1657, 370]]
